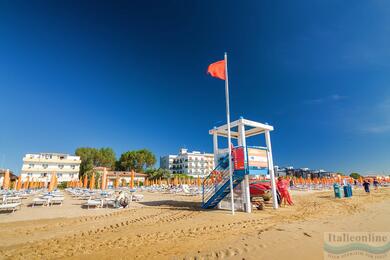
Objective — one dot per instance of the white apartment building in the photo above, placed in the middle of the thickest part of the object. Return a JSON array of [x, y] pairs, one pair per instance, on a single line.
[[191, 163], [39, 167]]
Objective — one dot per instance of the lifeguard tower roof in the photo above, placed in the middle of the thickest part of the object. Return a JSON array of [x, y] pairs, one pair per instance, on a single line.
[[251, 128]]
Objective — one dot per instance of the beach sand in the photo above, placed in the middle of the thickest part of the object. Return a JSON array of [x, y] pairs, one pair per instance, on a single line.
[[167, 226]]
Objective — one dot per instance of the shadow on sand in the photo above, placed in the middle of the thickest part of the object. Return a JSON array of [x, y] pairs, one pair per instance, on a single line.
[[174, 204]]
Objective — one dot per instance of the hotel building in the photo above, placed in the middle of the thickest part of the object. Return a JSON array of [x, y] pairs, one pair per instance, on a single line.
[[39, 167], [191, 163], [121, 176]]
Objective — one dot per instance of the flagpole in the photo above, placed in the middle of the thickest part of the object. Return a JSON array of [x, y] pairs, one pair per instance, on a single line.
[[229, 135]]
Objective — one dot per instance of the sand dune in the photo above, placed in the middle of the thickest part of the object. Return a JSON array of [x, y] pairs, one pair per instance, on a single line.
[[167, 226]]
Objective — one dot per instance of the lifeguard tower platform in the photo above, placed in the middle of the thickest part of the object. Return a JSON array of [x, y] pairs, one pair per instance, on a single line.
[[248, 161]]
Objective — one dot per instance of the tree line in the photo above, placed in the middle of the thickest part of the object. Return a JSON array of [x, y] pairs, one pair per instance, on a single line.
[[141, 160]]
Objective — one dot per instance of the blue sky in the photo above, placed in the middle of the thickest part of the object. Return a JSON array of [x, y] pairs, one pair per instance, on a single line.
[[132, 74]]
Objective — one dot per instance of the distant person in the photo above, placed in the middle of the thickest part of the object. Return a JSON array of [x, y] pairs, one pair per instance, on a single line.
[[376, 184], [291, 183], [283, 190], [366, 186], [122, 201]]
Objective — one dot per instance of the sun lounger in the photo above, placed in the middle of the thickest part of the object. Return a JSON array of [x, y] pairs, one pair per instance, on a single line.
[[15, 199], [84, 196], [40, 201], [94, 203], [10, 207], [108, 202], [56, 200], [137, 197]]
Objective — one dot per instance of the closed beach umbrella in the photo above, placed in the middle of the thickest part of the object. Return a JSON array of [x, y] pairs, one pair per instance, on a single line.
[[52, 182], [55, 181], [138, 183], [116, 182], [104, 179], [198, 181], [6, 180], [132, 180], [85, 181], [19, 185], [25, 185], [92, 182]]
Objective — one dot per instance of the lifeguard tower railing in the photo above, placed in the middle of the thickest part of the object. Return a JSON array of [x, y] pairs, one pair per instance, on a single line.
[[216, 185]]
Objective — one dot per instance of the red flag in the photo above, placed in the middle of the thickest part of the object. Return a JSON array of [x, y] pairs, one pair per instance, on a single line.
[[217, 70]]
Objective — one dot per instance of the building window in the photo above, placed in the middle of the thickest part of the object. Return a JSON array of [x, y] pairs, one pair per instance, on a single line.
[[31, 165], [45, 166], [29, 174], [59, 174], [61, 166], [73, 167]]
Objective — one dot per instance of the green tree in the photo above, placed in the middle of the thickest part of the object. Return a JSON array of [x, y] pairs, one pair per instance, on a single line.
[[158, 173], [138, 160], [92, 157], [87, 156], [106, 158], [355, 175]]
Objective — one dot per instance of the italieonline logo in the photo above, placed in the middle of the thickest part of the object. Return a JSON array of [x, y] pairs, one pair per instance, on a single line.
[[357, 245]]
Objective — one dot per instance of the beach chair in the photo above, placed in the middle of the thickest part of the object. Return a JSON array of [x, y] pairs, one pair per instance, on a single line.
[[93, 203], [108, 202], [137, 197], [10, 207], [39, 201], [14, 199], [56, 200]]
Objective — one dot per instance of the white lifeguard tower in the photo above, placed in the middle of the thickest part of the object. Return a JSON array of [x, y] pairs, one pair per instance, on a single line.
[[257, 160]]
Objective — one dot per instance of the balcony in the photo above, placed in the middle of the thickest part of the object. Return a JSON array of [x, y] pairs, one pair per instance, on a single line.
[[44, 160], [42, 169]]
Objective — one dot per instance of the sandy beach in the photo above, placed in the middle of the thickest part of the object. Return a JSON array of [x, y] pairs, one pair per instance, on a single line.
[[168, 226]]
